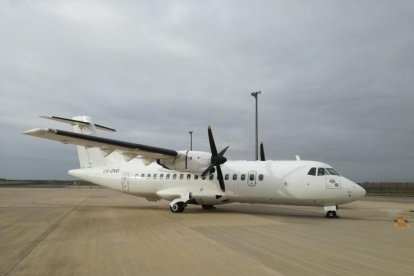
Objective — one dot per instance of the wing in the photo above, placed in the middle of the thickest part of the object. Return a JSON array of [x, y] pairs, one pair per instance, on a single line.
[[129, 150]]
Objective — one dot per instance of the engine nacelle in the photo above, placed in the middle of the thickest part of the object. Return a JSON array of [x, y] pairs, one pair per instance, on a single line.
[[190, 161]]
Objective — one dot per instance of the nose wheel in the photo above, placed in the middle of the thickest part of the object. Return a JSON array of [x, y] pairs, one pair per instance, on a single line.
[[331, 211], [331, 214]]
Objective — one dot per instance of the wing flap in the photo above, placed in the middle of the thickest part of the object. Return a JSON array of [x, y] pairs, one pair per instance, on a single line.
[[105, 144]]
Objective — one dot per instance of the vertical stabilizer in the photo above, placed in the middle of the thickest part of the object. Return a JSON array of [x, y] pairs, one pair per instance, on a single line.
[[88, 157], [89, 154]]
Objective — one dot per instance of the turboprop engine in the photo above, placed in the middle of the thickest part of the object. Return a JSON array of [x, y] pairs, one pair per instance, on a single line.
[[200, 162], [190, 161]]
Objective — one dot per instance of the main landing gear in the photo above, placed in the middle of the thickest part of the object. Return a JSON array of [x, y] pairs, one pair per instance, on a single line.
[[178, 207], [331, 211]]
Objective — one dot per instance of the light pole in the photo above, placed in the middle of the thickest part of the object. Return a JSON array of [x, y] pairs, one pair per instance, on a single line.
[[255, 94], [191, 140]]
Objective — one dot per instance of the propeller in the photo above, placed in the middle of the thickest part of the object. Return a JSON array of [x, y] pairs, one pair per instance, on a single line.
[[217, 159], [262, 154]]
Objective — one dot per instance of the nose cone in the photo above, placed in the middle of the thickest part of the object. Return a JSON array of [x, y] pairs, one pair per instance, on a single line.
[[358, 191], [354, 190]]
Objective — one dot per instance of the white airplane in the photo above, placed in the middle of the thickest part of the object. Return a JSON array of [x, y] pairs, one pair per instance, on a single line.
[[195, 177]]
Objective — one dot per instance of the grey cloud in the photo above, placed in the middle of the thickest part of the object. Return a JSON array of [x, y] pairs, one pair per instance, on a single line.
[[336, 79]]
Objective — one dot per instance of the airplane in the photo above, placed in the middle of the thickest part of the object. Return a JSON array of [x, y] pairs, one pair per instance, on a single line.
[[196, 177]]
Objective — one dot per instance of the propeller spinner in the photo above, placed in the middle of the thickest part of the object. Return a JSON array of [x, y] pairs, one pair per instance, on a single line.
[[217, 159]]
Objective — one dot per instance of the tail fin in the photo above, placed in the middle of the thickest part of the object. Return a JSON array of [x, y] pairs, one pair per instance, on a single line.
[[88, 157]]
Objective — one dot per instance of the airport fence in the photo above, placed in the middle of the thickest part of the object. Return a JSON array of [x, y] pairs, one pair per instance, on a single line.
[[386, 188]]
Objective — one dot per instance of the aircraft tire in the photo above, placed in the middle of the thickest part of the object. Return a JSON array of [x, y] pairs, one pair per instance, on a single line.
[[207, 207], [331, 214], [178, 207]]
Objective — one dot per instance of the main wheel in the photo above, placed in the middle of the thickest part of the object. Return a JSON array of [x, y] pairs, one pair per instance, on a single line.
[[207, 207], [177, 207], [331, 214]]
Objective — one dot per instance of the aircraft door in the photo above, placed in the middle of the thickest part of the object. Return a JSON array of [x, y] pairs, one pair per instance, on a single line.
[[125, 182], [251, 179]]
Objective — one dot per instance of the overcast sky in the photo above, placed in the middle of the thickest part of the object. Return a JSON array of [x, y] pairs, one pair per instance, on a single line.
[[337, 79]]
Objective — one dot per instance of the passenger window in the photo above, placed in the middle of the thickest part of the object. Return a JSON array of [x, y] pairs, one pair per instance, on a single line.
[[321, 171], [143, 175], [312, 171], [226, 177], [211, 177], [148, 176], [181, 176], [260, 177], [243, 177], [188, 176], [195, 177], [251, 177], [137, 175], [234, 176], [161, 176], [167, 176], [174, 176], [155, 176]]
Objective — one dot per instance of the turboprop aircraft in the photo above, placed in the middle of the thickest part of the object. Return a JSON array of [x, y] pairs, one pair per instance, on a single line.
[[195, 177]]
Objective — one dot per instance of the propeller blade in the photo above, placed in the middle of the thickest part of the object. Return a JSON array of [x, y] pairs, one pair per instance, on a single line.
[[262, 154], [212, 144], [223, 151], [216, 160], [220, 178], [207, 170]]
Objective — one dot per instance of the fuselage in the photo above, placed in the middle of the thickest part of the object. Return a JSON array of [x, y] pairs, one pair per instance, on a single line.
[[270, 182]]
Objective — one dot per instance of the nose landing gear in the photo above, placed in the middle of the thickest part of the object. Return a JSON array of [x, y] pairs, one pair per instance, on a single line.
[[331, 211], [331, 214]]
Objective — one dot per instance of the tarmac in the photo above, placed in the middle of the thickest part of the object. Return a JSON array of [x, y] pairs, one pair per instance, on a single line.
[[97, 231]]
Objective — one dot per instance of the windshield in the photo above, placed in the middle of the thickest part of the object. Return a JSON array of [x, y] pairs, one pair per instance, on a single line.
[[323, 171], [332, 171]]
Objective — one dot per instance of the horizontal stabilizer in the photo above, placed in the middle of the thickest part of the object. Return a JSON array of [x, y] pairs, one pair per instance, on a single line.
[[76, 122]]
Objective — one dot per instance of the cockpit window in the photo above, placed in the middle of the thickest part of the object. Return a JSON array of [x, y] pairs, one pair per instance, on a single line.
[[322, 171], [312, 171], [332, 171]]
